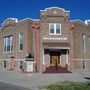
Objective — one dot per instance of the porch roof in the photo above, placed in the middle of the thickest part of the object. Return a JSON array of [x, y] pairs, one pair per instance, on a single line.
[[56, 45]]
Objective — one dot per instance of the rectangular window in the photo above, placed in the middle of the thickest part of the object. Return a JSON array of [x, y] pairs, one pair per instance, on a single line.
[[84, 64], [84, 42], [21, 64], [52, 28], [58, 28], [21, 41], [5, 64], [8, 44], [55, 29]]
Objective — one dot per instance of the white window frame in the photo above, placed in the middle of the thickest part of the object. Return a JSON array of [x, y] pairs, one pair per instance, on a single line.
[[54, 29], [5, 44], [20, 41]]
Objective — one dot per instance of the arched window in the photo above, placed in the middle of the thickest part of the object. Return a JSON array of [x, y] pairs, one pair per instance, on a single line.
[[84, 42], [21, 41]]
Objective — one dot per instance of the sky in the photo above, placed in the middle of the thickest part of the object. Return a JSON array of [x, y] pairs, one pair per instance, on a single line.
[[21, 9]]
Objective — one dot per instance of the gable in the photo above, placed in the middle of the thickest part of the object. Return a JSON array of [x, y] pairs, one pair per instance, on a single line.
[[9, 21], [55, 12]]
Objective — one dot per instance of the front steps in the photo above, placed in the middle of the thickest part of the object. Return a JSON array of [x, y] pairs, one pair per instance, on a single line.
[[59, 69]]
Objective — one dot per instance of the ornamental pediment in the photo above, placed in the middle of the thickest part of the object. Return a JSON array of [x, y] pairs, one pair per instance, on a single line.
[[55, 11]]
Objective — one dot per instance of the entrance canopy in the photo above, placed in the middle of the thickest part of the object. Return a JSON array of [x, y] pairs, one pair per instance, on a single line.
[[56, 45]]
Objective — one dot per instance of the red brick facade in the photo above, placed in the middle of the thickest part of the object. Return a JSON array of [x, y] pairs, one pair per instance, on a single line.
[[57, 43]]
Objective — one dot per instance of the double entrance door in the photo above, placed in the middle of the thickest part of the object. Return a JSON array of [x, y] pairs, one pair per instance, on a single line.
[[54, 58]]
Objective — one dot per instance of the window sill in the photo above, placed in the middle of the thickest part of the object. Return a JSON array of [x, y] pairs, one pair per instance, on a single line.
[[54, 34], [20, 50], [8, 52]]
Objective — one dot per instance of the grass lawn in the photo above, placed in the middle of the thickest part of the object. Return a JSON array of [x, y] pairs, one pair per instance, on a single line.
[[67, 86]]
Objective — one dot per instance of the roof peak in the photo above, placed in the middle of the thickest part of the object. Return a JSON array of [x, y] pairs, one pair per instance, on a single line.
[[53, 8]]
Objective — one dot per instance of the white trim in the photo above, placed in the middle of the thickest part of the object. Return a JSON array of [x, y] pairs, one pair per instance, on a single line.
[[60, 60], [16, 20], [14, 59], [36, 19], [84, 43], [55, 38], [7, 52], [4, 59], [53, 8], [11, 43], [5, 42], [86, 22], [67, 58], [54, 29], [49, 47], [78, 20], [25, 19], [20, 59], [43, 58], [28, 19], [19, 41]]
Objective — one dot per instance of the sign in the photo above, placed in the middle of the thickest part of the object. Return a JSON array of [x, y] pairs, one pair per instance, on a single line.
[[29, 66], [55, 38]]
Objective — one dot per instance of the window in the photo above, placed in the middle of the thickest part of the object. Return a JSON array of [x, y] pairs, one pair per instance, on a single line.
[[84, 64], [58, 28], [84, 42], [8, 44], [52, 28], [55, 29], [5, 64], [21, 41], [21, 64]]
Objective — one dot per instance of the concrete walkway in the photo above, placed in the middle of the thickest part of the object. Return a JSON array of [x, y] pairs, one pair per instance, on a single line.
[[35, 80], [7, 86]]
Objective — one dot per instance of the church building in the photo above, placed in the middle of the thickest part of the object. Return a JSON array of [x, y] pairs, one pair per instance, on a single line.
[[53, 43]]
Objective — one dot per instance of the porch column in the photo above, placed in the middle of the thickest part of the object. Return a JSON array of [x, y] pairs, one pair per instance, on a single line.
[[67, 58], [43, 57], [60, 60]]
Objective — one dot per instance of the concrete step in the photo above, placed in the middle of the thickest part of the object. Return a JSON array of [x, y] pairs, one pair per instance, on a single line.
[[59, 69]]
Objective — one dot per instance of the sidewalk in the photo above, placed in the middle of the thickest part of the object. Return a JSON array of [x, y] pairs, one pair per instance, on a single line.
[[35, 80]]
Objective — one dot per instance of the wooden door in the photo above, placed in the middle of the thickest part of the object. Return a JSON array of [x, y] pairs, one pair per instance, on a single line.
[[54, 58]]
